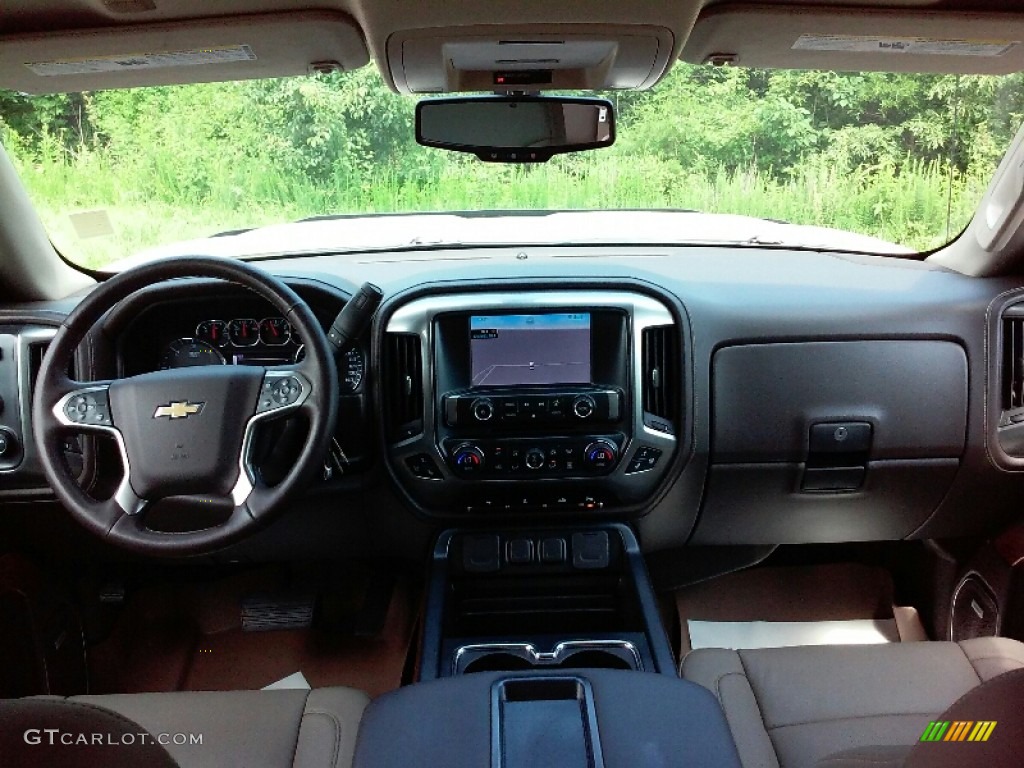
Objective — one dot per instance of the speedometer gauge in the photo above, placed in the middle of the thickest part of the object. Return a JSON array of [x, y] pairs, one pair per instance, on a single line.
[[185, 353]]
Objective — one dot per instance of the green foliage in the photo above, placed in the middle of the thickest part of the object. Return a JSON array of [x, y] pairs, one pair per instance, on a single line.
[[877, 153]]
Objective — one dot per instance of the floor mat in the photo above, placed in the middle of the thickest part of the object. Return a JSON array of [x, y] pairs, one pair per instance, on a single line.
[[740, 635], [188, 636], [235, 660], [809, 598]]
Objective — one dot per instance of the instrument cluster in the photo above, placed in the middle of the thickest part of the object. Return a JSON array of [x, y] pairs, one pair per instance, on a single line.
[[251, 341]]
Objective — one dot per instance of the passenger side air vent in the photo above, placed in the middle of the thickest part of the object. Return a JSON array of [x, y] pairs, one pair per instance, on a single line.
[[662, 384], [403, 385], [1010, 431], [1013, 358]]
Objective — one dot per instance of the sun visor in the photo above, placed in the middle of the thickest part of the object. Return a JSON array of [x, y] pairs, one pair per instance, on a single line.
[[799, 37], [535, 58], [239, 48]]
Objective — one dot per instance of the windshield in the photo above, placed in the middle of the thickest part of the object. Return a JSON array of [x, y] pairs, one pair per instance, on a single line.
[[900, 161]]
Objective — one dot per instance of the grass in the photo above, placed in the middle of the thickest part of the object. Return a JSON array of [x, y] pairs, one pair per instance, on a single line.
[[153, 204]]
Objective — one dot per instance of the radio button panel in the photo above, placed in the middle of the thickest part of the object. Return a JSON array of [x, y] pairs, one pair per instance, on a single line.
[[516, 410]]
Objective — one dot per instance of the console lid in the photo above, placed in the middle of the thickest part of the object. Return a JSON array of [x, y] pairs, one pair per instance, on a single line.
[[595, 718]]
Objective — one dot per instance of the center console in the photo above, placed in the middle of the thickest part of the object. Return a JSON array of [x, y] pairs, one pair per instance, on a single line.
[[551, 598], [552, 402], [538, 422], [558, 659]]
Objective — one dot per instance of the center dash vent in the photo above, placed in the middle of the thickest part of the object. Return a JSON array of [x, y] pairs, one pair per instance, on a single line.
[[1013, 358], [403, 385], [36, 353], [662, 383]]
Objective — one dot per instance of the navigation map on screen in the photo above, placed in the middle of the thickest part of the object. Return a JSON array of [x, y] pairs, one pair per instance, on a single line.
[[514, 350]]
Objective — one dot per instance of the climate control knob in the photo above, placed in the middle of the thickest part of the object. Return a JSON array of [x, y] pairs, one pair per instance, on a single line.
[[584, 406], [482, 409], [534, 458], [468, 459], [600, 454]]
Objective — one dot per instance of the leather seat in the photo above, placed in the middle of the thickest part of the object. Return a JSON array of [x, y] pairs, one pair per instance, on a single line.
[[256, 729], [794, 707]]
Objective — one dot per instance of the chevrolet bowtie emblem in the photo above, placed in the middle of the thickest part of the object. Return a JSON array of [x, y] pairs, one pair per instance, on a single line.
[[178, 410]]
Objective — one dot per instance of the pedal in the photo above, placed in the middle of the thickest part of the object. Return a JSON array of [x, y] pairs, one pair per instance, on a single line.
[[262, 613], [370, 620]]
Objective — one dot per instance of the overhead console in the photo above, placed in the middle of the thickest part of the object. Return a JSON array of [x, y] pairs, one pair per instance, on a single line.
[[560, 402], [531, 57]]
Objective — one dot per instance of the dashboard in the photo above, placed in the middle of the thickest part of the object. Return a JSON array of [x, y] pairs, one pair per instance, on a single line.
[[707, 395]]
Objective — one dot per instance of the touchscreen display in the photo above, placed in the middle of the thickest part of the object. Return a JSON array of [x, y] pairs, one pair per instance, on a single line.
[[513, 350]]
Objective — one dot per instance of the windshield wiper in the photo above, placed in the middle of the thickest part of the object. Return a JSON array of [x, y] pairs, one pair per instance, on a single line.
[[231, 232], [757, 240]]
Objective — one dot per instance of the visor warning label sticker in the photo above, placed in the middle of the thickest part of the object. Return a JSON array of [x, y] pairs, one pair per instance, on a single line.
[[130, 62], [919, 45]]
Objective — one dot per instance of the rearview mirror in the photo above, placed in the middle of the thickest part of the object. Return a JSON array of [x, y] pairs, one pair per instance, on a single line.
[[515, 129]]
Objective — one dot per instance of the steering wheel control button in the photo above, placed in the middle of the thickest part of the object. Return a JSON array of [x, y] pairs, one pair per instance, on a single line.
[[519, 551], [482, 553], [644, 459], [88, 409], [590, 550], [423, 467], [280, 392], [7, 443]]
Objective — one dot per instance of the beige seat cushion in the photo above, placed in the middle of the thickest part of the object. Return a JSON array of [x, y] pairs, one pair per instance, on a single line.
[[275, 729], [791, 707]]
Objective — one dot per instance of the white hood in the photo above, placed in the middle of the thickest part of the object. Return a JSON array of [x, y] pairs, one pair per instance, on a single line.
[[513, 228]]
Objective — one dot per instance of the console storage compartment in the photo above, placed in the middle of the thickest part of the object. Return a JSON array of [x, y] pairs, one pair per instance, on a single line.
[[595, 718], [555, 599]]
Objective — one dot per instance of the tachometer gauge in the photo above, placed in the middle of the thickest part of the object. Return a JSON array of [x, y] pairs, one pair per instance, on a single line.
[[214, 332], [244, 333], [185, 353], [275, 331], [353, 366]]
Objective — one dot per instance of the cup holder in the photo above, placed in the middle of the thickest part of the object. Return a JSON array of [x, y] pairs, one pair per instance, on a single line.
[[574, 654], [497, 662]]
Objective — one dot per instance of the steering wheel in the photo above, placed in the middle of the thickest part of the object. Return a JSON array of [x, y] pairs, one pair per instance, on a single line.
[[186, 431]]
